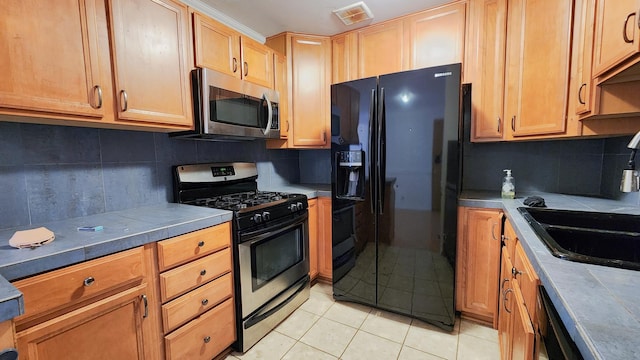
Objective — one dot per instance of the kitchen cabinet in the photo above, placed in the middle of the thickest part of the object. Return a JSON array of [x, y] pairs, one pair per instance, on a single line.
[[281, 86], [223, 49], [488, 39], [309, 79], [119, 64], [325, 260], [7, 335], [518, 303], [478, 263], [381, 49], [538, 57], [313, 238], [617, 36], [103, 308], [436, 37], [196, 290], [585, 17], [344, 55]]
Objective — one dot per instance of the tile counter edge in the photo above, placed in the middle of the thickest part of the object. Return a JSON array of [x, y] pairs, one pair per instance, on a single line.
[[123, 230]]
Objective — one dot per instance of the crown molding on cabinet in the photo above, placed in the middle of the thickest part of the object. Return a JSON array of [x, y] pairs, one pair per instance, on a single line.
[[225, 19]]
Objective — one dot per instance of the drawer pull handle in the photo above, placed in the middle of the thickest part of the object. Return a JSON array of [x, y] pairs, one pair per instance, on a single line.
[[146, 306], [207, 339], [506, 292], [203, 272], [205, 302], [201, 243], [624, 29], [89, 281]]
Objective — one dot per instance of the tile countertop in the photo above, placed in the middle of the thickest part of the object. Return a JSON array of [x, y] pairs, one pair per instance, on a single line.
[[599, 305], [123, 230], [311, 190]]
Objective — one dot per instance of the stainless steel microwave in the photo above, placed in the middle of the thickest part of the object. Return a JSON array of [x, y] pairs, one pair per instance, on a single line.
[[227, 108]]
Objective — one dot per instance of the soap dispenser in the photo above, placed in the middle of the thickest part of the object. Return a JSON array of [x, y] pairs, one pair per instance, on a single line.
[[508, 186]]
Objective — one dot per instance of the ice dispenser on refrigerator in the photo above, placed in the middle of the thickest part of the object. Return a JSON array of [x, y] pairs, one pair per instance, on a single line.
[[350, 174]]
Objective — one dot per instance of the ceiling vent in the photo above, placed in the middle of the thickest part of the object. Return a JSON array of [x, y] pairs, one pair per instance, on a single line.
[[354, 13]]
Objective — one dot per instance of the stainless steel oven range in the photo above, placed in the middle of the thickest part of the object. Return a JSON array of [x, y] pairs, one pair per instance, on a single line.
[[270, 242]]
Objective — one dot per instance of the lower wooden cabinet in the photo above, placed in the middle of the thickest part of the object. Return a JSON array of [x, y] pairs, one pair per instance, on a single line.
[[198, 315], [7, 340], [313, 238], [100, 309], [325, 260], [478, 263]]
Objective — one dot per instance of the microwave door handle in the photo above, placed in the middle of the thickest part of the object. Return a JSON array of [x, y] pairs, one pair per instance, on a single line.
[[269, 114]]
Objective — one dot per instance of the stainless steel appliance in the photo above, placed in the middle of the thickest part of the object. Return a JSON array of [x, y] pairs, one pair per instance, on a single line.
[[270, 242], [227, 108], [396, 149]]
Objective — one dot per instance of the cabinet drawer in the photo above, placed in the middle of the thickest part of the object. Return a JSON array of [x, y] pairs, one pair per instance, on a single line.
[[204, 337], [66, 287], [189, 276], [194, 303], [187, 247]]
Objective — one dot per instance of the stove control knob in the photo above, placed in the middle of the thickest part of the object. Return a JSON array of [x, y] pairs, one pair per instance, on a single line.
[[292, 207], [266, 216], [257, 218], [299, 206]]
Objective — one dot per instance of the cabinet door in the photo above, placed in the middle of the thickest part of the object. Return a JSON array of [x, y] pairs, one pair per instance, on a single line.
[[113, 328], [311, 76], [528, 281], [281, 86], [522, 334], [344, 56], [487, 98], [217, 47], [616, 33], [537, 66], [150, 46], [54, 57], [478, 263], [257, 62], [313, 238], [436, 37], [584, 46], [380, 49], [505, 302], [325, 260]]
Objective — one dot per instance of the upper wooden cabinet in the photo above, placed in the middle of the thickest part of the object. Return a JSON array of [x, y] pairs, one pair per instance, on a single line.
[[488, 50], [150, 40], [538, 66], [435, 37], [58, 58], [344, 55], [309, 79], [616, 33], [281, 85], [583, 46], [380, 49], [223, 49]]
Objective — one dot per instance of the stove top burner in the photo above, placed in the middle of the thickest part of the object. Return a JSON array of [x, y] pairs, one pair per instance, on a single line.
[[244, 200]]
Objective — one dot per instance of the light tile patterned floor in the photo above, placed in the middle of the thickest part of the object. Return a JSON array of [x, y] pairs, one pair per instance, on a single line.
[[325, 329]]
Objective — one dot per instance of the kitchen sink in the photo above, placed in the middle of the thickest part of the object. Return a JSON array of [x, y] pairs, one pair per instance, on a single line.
[[591, 237]]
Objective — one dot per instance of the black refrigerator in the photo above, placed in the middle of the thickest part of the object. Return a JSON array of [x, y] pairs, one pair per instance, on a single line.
[[396, 173]]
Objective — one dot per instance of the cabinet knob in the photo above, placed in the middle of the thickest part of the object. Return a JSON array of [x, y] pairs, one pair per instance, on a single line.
[[89, 281], [201, 243], [205, 302], [207, 339], [203, 272]]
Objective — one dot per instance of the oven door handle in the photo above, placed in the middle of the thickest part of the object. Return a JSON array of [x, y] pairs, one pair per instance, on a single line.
[[258, 235], [268, 310]]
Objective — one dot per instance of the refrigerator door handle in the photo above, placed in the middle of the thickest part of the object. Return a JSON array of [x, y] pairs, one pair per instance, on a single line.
[[372, 150], [382, 151]]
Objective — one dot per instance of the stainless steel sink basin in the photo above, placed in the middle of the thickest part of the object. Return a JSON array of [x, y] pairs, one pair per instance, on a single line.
[[591, 237]]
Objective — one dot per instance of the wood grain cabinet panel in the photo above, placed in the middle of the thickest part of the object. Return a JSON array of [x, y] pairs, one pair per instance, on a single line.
[[280, 84], [538, 66], [325, 244], [436, 37], [617, 36], [149, 46], [478, 263], [313, 238], [257, 62], [490, 18], [184, 248], [380, 49], [54, 58]]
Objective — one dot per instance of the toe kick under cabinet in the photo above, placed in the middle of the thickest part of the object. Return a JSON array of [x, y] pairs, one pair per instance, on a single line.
[[196, 290]]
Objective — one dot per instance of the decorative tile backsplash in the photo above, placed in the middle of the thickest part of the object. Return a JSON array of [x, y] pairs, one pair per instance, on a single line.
[[50, 173]]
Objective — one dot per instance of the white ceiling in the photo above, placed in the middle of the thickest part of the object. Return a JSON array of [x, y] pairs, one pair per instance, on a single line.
[[263, 18]]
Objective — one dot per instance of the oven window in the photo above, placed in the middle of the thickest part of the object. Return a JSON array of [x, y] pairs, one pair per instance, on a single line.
[[274, 255], [233, 108]]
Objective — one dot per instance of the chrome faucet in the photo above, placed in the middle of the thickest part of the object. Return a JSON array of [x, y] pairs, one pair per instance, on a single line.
[[630, 177]]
